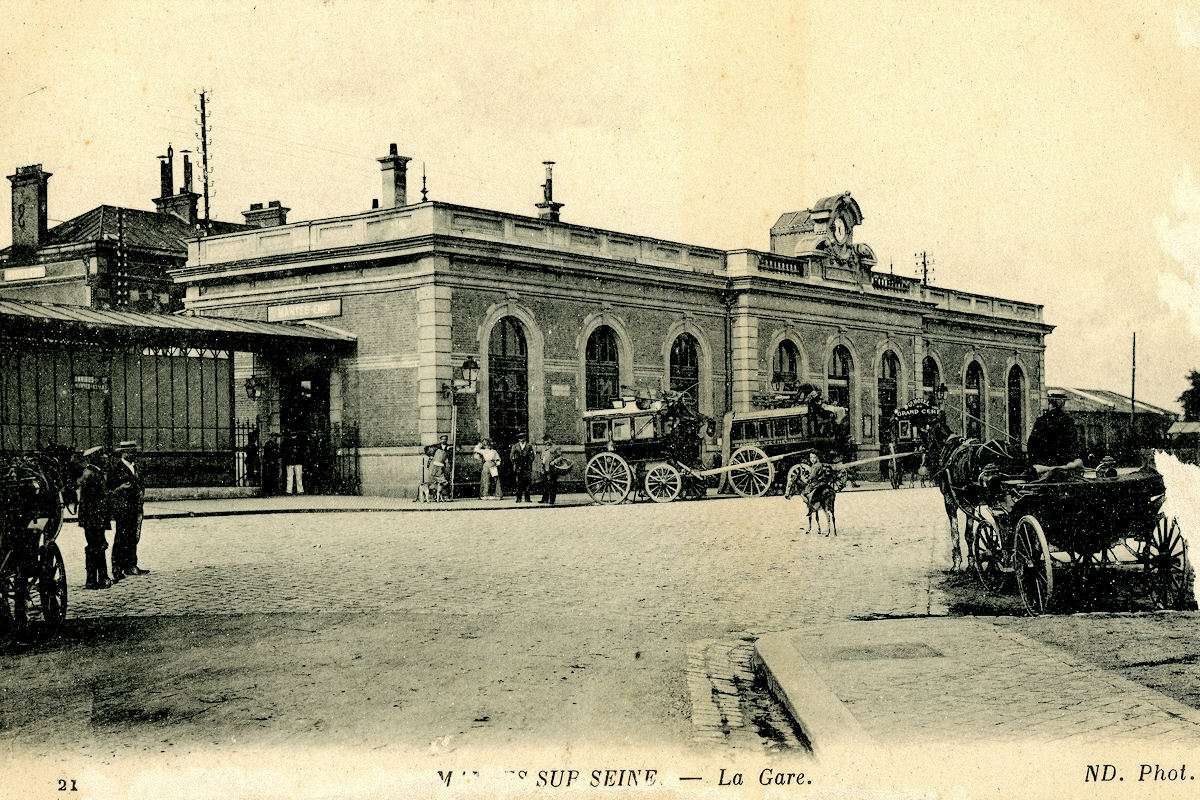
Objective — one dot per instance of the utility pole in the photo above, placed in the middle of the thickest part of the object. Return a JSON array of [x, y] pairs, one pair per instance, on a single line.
[[1132, 392], [204, 172]]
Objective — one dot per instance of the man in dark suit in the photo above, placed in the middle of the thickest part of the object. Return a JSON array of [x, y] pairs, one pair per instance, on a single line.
[[126, 492], [1053, 441], [94, 516], [521, 456]]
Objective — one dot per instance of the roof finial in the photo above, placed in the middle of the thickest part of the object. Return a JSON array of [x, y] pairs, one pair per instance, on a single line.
[[424, 191]]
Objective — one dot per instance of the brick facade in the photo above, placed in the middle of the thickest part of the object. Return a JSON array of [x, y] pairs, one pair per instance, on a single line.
[[424, 286]]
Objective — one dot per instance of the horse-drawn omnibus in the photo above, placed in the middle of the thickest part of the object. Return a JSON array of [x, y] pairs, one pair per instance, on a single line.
[[773, 443], [646, 447]]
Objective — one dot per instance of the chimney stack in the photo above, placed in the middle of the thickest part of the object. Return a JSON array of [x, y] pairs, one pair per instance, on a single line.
[[548, 209], [395, 179], [166, 173], [182, 205], [187, 172], [274, 214], [29, 208]]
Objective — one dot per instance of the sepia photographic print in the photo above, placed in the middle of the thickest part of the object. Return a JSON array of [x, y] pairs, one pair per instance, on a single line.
[[599, 399]]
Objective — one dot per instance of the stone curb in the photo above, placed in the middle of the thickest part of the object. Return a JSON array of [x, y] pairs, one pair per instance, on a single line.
[[812, 704]]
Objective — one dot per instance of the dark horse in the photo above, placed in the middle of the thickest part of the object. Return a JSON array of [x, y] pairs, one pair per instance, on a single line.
[[966, 472]]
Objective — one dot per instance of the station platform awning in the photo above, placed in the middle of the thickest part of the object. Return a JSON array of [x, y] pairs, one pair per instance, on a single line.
[[31, 321]]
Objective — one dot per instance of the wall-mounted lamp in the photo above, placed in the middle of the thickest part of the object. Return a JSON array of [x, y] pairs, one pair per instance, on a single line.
[[465, 384], [939, 394], [256, 387]]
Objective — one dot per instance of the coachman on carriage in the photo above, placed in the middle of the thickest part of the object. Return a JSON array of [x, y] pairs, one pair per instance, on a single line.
[[1024, 520]]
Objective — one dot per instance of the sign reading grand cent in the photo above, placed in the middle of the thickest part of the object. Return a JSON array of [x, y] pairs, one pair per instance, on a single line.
[[318, 308]]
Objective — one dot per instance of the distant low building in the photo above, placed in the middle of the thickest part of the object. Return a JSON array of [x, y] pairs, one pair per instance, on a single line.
[[1102, 421], [110, 257]]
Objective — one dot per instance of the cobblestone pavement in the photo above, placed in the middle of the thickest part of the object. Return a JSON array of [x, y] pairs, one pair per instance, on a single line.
[[648, 612]]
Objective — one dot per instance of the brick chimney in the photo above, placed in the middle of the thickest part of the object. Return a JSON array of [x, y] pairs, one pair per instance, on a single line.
[[395, 179], [29, 212], [183, 205], [274, 214]]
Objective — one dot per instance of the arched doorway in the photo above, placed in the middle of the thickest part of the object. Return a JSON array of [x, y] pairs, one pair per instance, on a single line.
[[508, 382], [973, 405], [931, 378], [602, 370], [785, 366], [1016, 404], [685, 366]]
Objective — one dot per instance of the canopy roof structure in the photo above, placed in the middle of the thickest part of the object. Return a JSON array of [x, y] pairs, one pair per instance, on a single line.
[[54, 322]]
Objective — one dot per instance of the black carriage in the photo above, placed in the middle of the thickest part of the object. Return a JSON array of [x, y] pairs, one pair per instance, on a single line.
[[645, 448], [33, 578], [766, 449], [1084, 520], [906, 438]]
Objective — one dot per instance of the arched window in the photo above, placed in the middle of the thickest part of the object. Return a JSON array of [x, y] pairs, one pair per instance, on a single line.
[[508, 382], [1016, 404], [685, 365], [931, 378], [889, 381], [841, 369], [785, 366], [973, 401], [602, 368]]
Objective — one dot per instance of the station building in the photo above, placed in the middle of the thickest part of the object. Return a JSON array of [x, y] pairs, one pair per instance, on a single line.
[[560, 318]]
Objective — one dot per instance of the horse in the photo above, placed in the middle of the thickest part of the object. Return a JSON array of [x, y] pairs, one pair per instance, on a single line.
[[956, 466], [819, 490]]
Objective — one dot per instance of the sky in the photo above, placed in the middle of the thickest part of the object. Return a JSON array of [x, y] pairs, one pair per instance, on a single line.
[[1043, 152]]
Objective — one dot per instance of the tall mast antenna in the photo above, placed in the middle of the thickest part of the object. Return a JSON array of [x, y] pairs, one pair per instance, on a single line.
[[204, 171]]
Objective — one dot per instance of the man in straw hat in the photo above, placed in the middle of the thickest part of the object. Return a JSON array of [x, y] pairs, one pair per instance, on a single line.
[[127, 492], [94, 516]]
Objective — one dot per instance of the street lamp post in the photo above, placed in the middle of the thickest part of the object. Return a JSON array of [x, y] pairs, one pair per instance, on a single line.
[[463, 385]]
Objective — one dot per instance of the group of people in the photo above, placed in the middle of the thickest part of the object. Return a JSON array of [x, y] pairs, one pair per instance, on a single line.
[[529, 466], [279, 466], [111, 496]]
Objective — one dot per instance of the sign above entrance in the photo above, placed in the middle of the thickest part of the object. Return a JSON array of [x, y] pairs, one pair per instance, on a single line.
[[318, 308]]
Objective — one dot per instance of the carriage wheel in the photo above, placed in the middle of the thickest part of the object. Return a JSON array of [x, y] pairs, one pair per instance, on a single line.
[[52, 587], [663, 482], [1165, 562], [986, 552], [797, 478], [608, 478], [755, 479], [1031, 558]]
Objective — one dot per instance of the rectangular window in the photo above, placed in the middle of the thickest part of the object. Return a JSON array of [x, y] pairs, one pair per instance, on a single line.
[[645, 428], [621, 430], [599, 430]]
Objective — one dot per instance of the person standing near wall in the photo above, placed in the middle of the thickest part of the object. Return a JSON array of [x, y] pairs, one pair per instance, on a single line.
[[489, 470], [293, 460], [94, 516], [521, 457], [270, 465], [552, 466], [127, 492]]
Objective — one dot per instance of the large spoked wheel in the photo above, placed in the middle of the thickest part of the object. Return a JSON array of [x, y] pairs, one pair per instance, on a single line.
[[52, 587], [755, 477], [663, 483], [1165, 562], [986, 552], [797, 479], [1031, 558], [608, 478]]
